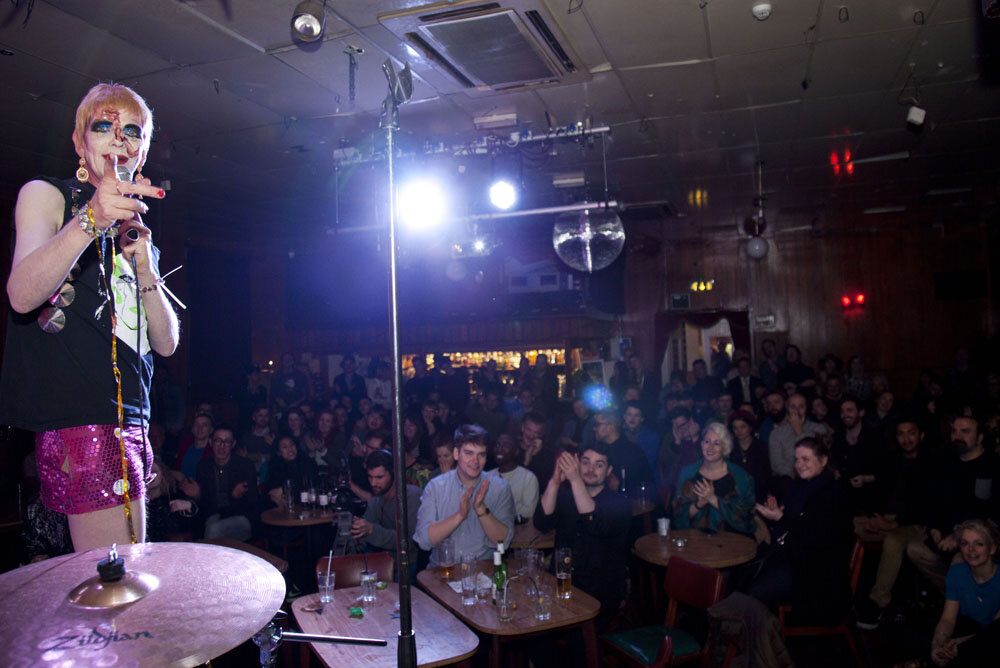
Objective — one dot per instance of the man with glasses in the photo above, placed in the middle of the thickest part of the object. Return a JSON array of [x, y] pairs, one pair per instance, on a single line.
[[226, 488]]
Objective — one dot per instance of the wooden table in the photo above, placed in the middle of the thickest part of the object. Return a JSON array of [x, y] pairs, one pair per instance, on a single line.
[[301, 518], [720, 550], [441, 638], [526, 535], [280, 564], [304, 517], [579, 610]]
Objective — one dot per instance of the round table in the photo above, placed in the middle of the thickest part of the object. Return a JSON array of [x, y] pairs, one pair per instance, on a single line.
[[301, 517], [526, 535], [720, 550]]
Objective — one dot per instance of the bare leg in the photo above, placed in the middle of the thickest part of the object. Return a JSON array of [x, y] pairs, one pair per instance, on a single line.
[[101, 528]]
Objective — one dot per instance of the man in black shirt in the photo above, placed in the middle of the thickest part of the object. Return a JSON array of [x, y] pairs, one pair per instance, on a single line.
[[632, 472], [226, 488], [592, 520], [964, 487], [902, 517]]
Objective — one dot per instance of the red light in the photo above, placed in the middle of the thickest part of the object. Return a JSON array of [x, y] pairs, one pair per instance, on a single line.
[[850, 168], [859, 299], [845, 300], [836, 169], [834, 159], [847, 155]]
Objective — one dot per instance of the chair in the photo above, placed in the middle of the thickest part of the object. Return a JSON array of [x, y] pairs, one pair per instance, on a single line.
[[686, 582], [349, 566], [857, 556]]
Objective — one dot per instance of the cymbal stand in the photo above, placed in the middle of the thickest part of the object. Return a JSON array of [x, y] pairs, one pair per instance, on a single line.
[[269, 640]]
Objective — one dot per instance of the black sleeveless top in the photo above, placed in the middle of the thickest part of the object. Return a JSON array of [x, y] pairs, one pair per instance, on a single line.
[[65, 379]]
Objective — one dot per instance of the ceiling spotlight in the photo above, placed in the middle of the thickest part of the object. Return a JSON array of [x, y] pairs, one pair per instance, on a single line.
[[757, 247], [479, 245], [503, 195], [916, 115], [308, 20], [761, 11]]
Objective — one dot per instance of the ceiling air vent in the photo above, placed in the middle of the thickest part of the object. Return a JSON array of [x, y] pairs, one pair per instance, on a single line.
[[491, 45]]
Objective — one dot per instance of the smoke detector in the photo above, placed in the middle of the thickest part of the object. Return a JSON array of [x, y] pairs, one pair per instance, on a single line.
[[761, 11]]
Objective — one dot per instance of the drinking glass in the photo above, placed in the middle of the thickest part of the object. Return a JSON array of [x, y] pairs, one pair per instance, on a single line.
[[564, 570], [505, 604], [530, 558], [289, 499], [469, 571], [446, 558], [368, 586], [324, 583], [543, 604], [484, 588]]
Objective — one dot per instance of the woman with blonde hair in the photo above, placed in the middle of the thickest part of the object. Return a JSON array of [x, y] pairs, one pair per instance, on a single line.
[[714, 493], [968, 632], [73, 359]]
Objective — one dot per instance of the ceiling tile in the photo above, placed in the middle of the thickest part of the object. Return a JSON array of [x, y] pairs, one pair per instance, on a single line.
[[668, 91], [763, 77], [735, 32], [167, 29], [639, 32], [859, 64]]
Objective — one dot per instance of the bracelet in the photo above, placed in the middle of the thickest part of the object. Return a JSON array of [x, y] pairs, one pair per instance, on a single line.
[[86, 216], [153, 287]]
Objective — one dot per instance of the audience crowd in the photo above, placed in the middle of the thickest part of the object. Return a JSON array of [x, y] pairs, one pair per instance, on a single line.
[[802, 459]]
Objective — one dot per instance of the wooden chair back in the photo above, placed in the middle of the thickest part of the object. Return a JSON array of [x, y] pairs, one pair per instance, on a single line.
[[692, 584]]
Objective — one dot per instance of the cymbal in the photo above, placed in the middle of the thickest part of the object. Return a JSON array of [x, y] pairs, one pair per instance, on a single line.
[[208, 600]]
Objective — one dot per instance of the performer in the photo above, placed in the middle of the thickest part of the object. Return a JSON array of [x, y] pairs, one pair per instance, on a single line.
[[71, 368]]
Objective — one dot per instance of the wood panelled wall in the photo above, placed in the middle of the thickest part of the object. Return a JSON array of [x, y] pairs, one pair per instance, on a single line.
[[902, 327]]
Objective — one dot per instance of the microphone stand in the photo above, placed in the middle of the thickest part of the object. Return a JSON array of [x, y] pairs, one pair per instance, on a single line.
[[400, 90]]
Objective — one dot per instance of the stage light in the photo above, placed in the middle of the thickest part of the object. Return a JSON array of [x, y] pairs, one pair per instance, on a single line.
[[597, 397], [503, 195], [859, 299], [308, 20], [479, 245], [845, 301], [421, 204]]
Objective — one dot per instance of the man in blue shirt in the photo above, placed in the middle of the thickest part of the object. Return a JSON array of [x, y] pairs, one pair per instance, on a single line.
[[474, 511]]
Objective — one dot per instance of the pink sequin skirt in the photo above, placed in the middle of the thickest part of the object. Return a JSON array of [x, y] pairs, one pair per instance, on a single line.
[[80, 468]]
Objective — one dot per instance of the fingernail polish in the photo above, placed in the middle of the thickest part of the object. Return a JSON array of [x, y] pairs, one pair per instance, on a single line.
[[160, 192]]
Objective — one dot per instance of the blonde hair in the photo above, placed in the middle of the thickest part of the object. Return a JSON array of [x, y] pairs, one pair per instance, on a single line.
[[986, 528], [115, 95], [720, 430]]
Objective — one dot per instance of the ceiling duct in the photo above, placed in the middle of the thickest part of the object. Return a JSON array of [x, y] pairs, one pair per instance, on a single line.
[[490, 45]]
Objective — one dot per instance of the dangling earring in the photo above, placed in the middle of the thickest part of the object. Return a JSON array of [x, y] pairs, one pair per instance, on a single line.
[[82, 175]]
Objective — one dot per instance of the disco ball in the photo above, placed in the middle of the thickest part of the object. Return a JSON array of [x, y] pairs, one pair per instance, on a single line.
[[588, 240], [757, 247]]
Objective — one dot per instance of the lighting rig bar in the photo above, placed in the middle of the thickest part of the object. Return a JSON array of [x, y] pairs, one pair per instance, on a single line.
[[482, 145]]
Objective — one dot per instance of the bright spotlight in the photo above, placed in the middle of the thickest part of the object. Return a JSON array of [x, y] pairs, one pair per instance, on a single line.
[[421, 204], [479, 245], [503, 195]]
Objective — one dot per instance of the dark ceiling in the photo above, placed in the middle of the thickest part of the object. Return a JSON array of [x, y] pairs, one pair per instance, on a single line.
[[695, 93]]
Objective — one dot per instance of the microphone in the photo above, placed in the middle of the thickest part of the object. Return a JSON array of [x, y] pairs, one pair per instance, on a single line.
[[122, 174]]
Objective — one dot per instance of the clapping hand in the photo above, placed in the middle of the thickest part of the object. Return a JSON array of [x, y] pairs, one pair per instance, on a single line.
[[464, 501], [704, 492], [770, 509], [480, 500], [569, 465]]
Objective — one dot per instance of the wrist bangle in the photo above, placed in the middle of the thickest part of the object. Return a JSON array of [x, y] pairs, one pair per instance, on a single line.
[[86, 219], [486, 511], [151, 288]]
